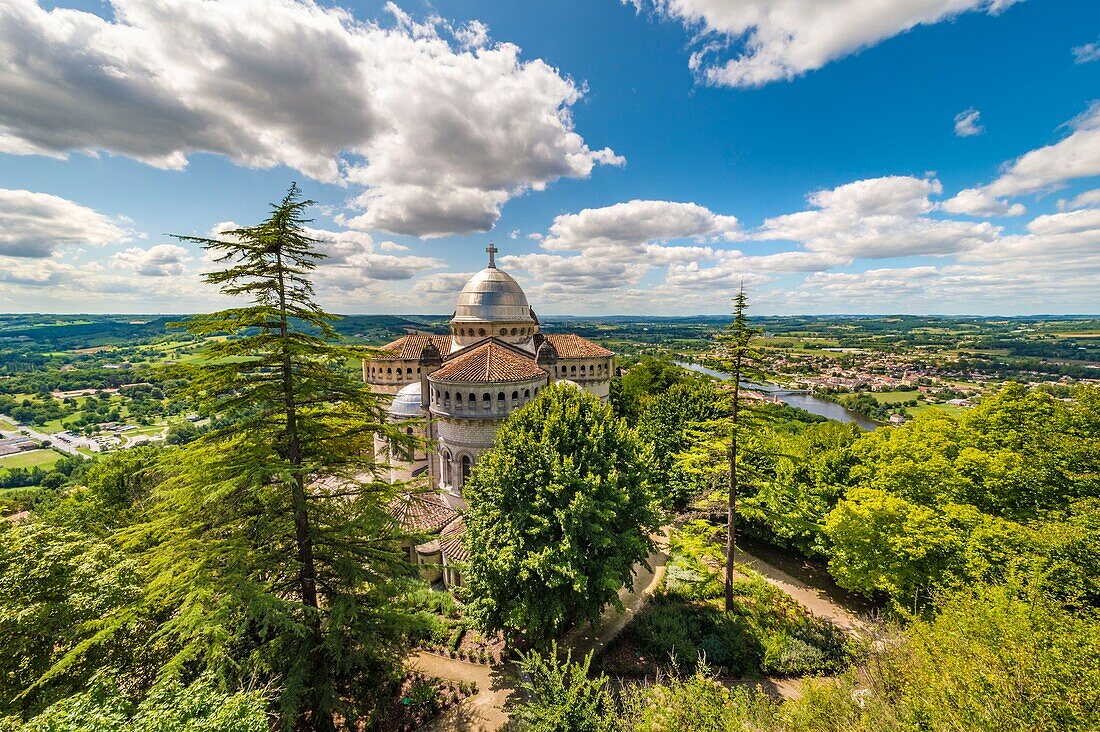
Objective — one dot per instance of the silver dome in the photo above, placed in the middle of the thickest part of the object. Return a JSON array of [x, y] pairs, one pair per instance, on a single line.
[[492, 296], [407, 402]]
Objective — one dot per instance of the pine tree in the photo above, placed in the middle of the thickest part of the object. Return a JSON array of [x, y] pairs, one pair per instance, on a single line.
[[270, 557], [743, 362]]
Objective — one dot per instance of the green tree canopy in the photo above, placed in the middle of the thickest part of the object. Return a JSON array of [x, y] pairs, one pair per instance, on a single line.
[[263, 553], [559, 513]]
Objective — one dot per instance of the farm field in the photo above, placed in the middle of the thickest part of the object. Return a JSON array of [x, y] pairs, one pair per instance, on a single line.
[[29, 459]]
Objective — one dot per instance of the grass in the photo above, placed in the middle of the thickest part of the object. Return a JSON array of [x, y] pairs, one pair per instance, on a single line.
[[768, 633], [30, 459], [893, 397], [155, 429], [6, 425]]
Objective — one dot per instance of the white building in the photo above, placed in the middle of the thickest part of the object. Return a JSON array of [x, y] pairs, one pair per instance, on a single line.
[[465, 384]]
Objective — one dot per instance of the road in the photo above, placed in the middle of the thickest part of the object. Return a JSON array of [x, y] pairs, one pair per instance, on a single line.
[[55, 441]]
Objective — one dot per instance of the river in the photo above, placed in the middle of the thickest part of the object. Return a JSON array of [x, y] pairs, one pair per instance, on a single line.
[[812, 404]]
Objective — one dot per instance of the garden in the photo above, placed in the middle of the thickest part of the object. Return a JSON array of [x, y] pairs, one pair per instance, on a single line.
[[440, 628], [767, 634]]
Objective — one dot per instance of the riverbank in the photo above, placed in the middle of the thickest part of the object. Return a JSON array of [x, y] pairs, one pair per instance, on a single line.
[[801, 400]]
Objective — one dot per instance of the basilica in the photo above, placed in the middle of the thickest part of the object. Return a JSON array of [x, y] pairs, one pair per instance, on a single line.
[[460, 387]]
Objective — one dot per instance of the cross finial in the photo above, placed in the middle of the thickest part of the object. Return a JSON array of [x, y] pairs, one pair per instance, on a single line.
[[492, 254]]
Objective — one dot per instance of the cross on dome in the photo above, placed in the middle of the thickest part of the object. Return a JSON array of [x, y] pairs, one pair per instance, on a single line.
[[492, 254]]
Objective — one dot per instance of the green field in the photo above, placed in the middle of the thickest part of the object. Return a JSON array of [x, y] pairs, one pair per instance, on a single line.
[[30, 459], [893, 397]]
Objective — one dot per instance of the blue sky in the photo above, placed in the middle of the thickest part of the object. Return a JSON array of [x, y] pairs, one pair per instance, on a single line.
[[934, 156]]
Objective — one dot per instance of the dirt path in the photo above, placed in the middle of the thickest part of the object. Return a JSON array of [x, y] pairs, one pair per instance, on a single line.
[[485, 711], [585, 638], [819, 598]]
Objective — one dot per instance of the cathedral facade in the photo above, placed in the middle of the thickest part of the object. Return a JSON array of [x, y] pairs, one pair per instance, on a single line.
[[461, 387]]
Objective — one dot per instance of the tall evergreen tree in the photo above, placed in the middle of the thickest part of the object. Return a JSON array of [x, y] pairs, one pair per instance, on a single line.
[[269, 554], [743, 362]]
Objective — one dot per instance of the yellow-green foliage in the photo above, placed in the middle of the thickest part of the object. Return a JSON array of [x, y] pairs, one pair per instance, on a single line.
[[994, 659]]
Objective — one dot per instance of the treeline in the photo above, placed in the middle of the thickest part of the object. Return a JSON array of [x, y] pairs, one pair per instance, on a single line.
[[1010, 487]]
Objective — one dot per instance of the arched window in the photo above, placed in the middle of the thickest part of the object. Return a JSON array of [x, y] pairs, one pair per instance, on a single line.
[[500, 400], [446, 460], [447, 397], [572, 369], [536, 391], [582, 369], [465, 468], [409, 371], [389, 372], [486, 401], [408, 430], [515, 395], [473, 400], [458, 398], [526, 393]]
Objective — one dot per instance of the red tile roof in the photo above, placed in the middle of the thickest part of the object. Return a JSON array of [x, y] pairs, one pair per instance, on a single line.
[[450, 541], [421, 512], [408, 347], [488, 362], [571, 345], [454, 550]]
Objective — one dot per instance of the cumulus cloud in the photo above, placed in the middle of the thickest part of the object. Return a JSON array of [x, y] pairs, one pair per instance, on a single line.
[[636, 223], [1086, 199], [1075, 156], [966, 123], [978, 202], [162, 260], [1085, 53], [774, 40], [353, 257], [38, 224], [617, 245], [876, 218], [438, 136]]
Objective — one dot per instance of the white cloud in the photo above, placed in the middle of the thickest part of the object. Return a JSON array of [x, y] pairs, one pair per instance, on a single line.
[[1086, 199], [1046, 168], [353, 257], [439, 137], [876, 218], [162, 260], [1085, 53], [619, 244], [966, 123], [1083, 220], [38, 224], [978, 202], [782, 39], [637, 223], [474, 34]]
